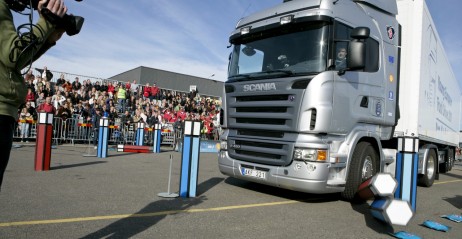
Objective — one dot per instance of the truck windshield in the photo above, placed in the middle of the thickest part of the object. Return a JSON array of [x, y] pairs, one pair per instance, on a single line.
[[295, 51]]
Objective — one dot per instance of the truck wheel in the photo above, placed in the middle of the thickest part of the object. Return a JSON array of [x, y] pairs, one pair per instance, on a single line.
[[364, 165], [428, 177]]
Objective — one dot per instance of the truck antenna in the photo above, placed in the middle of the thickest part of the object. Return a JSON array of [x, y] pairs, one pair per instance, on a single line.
[[245, 11]]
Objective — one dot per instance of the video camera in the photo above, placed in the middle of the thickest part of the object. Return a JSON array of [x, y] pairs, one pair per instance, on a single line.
[[72, 24]]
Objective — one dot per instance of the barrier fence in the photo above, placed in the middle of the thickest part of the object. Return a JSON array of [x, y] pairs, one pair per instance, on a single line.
[[76, 131]]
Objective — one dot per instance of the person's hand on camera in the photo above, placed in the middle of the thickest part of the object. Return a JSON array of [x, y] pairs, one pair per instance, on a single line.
[[56, 7]]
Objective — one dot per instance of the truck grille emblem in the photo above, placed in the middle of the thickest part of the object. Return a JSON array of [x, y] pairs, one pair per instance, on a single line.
[[260, 87]]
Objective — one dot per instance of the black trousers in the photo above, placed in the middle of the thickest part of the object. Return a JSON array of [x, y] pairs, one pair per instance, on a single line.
[[6, 141]]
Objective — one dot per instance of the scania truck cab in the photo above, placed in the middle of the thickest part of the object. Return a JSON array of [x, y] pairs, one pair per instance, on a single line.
[[311, 100]]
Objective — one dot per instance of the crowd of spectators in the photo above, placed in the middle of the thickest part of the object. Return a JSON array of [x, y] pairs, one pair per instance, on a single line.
[[123, 103]]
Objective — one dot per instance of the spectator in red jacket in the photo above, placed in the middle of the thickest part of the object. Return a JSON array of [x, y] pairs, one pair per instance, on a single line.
[[128, 85], [47, 106], [30, 97], [154, 92], [110, 89], [147, 91]]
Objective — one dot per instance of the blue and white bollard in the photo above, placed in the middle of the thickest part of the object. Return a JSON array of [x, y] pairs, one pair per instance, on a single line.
[[407, 163], [157, 136], [140, 134], [392, 211], [103, 134], [190, 159]]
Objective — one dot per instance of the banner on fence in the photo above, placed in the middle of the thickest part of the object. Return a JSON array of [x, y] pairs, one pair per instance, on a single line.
[[206, 146]]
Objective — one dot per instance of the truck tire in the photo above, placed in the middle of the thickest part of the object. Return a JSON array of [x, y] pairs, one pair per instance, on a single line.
[[364, 165], [428, 177]]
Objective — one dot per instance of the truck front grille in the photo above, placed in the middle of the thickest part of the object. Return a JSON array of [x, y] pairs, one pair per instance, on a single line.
[[262, 124], [264, 152]]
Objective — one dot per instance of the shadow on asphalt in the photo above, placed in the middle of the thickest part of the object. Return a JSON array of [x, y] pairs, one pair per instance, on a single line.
[[283, 193], [362, 208], [152, 214], [456, 201], [452, 175], [76, 165], [371, 222]]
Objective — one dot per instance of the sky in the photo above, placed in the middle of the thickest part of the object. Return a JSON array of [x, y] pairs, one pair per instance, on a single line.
[[184, 36]]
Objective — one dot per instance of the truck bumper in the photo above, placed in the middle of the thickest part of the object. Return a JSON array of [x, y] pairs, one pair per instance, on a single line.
[[298, 176]]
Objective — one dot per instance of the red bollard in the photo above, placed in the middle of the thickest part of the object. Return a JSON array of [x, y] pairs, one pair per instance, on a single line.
[[133, 148], [43, 142]]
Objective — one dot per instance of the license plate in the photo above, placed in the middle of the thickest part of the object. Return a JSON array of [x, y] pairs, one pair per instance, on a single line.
[[253, 173]]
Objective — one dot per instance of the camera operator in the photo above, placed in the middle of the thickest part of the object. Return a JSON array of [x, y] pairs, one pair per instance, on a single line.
[[15, 54]]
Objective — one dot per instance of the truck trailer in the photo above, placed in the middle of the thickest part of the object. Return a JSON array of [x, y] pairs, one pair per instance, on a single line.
[[319, 92]]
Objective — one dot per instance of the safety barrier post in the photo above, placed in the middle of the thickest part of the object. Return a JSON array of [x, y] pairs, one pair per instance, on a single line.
[[190, 159], [103, 137], [140, 134], [407, 163], [43, 142], [156, 138]]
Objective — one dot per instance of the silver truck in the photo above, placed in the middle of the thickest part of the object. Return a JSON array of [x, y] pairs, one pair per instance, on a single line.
[[319, 91]]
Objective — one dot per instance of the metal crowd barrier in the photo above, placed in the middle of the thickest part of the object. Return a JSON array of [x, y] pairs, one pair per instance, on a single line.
[[77, 131]]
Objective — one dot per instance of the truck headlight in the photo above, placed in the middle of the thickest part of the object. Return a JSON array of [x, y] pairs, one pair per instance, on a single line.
[[303, 154]]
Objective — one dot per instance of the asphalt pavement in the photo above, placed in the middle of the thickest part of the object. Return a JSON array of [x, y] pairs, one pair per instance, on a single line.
[[117, 197]]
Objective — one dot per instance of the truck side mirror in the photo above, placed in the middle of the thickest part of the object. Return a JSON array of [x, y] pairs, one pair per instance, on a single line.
[[356, 57]]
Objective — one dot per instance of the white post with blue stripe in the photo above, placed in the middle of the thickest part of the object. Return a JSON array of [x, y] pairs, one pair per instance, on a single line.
[[407, 163], [140, 134], [190, 159], [157, 136], [103, 135]]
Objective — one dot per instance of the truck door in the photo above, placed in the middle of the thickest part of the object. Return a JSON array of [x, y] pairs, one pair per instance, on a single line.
[[358, 94]]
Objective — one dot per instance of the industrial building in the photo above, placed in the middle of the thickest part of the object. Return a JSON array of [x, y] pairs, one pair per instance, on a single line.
[[171, 80]]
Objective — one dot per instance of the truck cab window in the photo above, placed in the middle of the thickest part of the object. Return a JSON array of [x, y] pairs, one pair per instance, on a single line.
[[296, 49], [341, 40]]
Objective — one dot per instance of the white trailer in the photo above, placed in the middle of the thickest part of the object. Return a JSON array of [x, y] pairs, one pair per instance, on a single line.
[[429, 97]]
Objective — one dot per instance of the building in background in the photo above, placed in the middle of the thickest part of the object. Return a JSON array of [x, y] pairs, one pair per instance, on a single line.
[[171, 80]]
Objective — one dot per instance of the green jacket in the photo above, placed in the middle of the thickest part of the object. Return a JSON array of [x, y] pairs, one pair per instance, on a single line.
[[12, 86]]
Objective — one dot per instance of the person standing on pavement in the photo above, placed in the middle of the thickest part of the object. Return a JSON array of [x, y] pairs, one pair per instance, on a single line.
[[95, 124], [15, 54]]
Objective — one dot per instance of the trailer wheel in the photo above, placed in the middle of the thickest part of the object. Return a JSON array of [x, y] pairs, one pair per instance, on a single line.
[[364, 165], [428, 177]]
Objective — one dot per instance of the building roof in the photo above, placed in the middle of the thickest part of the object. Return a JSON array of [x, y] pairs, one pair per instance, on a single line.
[[171, 80]]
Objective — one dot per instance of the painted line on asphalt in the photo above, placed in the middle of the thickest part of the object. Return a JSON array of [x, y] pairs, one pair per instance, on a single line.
[[153, 214], [163, 213], [452, 181]]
